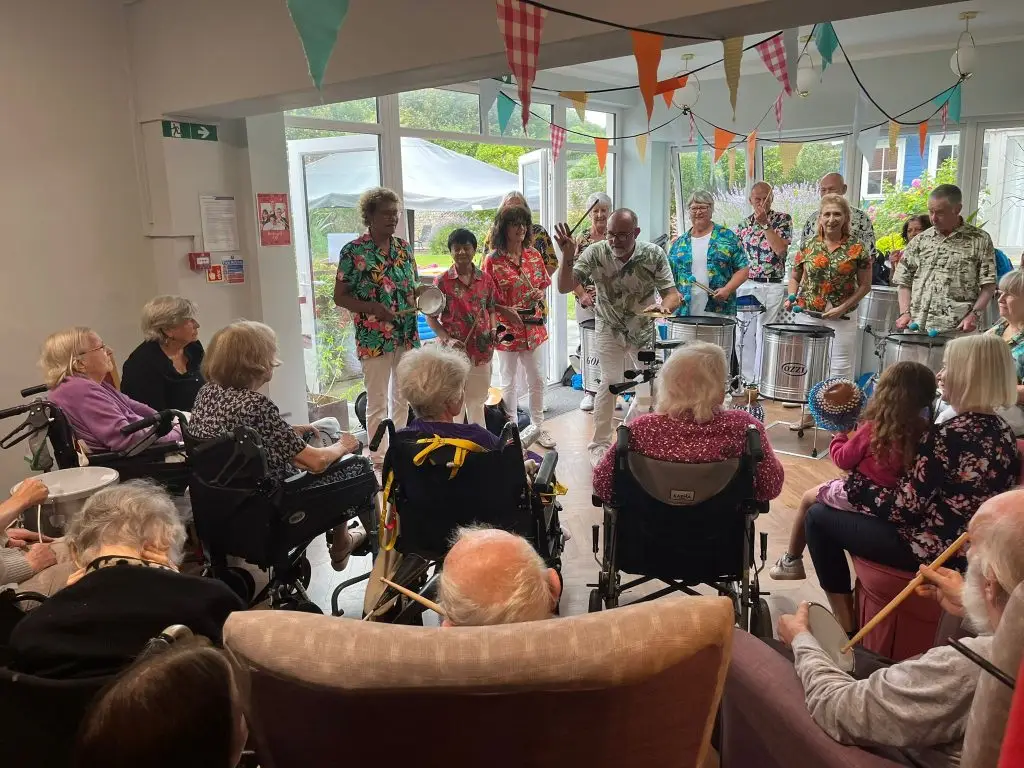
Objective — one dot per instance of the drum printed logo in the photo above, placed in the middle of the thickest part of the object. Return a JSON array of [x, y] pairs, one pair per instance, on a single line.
[[794, 369]]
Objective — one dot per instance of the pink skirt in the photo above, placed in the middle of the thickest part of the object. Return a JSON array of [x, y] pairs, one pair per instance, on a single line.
[[833, 493]]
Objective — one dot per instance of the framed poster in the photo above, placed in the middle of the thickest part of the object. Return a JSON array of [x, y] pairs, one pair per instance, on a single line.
[[274, 219]]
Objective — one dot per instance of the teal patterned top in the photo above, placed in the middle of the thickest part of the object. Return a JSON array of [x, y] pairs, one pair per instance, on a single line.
[[726, 257], [1016, 344]]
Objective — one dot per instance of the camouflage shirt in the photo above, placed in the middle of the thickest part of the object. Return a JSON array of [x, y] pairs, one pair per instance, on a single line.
[[625, 289], [945, 274]]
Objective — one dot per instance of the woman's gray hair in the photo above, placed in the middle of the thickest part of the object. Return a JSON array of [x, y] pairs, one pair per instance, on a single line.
[[599, 198], [514, 195], [693, 380], [702, 197], [431, 377], [137, 515], [165, 312], [1012, 282]]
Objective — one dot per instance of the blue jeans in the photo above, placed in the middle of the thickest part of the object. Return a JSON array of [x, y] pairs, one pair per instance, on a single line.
[[830, 532]]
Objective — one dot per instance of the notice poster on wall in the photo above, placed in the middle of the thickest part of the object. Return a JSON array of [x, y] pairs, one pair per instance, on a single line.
[[219, 221], [215, 274], [234, 271], [274, 219]]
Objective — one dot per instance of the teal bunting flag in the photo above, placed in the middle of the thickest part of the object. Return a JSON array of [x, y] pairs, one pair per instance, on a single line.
[[826, 42], [950, 98], [505, 109], [318, 23]]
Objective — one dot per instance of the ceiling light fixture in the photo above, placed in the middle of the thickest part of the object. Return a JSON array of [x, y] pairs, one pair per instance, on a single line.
[[965, 57], [806, 74], [687, 96]]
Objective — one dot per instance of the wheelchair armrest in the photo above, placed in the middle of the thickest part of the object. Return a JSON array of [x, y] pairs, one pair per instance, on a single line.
[[298, 481], [546, 473], [385, 426], [755, 448], [596, 501]]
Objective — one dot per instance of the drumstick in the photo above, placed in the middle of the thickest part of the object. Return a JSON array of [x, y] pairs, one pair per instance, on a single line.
[[415, 596], [584, 216], [879, 617], [703, 287]]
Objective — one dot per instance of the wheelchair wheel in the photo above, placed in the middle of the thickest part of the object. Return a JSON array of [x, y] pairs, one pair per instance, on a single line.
[[595, 601], [302, 571], [241, 582], [761, 619]]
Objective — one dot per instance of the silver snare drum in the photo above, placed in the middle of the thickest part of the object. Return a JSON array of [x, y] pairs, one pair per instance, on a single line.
[[915, 347], [714, 330], [795, 358], [878, 310], [431, 301]]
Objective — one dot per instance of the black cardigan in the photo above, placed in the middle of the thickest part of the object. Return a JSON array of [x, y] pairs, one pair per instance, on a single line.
[[149, 377]]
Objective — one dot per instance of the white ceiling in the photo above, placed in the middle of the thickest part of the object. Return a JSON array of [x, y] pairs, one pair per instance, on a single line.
[[913, 31]]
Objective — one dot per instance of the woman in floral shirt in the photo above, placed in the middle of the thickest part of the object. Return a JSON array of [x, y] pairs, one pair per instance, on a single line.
[[959, 464], [521, 279], [831, 276]]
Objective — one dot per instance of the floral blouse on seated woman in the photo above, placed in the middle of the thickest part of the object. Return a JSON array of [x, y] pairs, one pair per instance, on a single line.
[[691, 426]]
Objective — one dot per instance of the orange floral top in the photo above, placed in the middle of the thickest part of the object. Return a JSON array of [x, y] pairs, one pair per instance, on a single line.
[[829, 279]]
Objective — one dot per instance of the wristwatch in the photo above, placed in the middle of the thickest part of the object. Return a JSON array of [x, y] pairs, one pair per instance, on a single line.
[[976, 313]]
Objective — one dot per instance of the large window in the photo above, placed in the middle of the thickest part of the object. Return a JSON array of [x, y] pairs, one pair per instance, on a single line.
[[358, 111], [726, 180], [539, 126], [439, 109], [796, 187], [1001, 196], [884, 168]]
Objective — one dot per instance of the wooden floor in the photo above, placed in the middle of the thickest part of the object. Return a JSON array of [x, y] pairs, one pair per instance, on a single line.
[[573, 431]]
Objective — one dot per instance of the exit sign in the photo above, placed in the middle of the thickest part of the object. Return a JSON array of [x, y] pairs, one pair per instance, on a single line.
[[174, 129]]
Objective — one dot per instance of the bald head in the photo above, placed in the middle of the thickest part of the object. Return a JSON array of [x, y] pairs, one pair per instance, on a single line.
[[623, 230], [995, 558], [492, 576], [832, 184]]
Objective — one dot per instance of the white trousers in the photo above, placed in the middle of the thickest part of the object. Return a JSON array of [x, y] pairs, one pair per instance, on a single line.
[[508, 366], [614, 354], [845, 344], [750, 327], [477, 384], [383, 399]]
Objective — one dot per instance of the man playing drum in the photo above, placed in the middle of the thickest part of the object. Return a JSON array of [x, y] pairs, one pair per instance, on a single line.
[[947, 275], [626, 275]]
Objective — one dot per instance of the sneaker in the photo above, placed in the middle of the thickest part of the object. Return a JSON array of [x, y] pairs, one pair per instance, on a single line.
[[788, 568], [587, 403], [807, 422], [545, 440], [597, 453]]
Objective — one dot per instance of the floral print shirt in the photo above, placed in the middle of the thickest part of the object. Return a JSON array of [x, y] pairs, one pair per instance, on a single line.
[[512, 284], [1016, 344], [764, 261], [725, 259], [960, 463], [829, 279], [469, 312], [390, 279]]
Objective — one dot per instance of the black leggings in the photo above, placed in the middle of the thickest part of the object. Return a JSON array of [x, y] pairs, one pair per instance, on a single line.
[[831, 531]]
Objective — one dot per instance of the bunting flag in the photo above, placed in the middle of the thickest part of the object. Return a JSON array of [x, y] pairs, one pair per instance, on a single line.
[[668, 88], [826, 42], [641, 147], [732, 167], [579, 101], [647, 50], [693, 126], [521, 26], [867, 142], [922, 136], [773, 54], [751, 153], [601, 148], [778, 111], [722, 140], [318, 23], [488, 93], [557, 140], [505, 109], [791, 42], [788, 154], [733, 50], [894, 136], [953, 104]]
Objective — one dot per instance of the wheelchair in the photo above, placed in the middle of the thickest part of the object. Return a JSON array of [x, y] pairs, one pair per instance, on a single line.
[[433, 486], [684, 525]]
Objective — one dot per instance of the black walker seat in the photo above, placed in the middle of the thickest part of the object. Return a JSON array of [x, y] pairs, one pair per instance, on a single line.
[[683, 525]]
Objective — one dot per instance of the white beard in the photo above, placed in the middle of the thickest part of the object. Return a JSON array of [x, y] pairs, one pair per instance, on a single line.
[[973, 598]]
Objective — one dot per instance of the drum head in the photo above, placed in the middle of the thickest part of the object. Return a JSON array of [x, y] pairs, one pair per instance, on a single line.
[[917, 339], [717, 322], [830, 636], [802, 330], [590, 324], [430, 301]]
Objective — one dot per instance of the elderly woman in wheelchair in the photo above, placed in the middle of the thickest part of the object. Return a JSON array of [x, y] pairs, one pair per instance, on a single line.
[[681, 489]]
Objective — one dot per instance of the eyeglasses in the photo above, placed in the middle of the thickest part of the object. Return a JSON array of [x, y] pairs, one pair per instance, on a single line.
[[619, 235], [699, 208], [94, 349]]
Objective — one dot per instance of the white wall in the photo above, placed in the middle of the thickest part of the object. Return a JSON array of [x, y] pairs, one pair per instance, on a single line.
[[73, 251]]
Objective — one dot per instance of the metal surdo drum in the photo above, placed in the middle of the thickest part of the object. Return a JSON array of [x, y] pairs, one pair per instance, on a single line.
[[431, 301], [878, 310], [915, 347], [795, 358], [720, 331]]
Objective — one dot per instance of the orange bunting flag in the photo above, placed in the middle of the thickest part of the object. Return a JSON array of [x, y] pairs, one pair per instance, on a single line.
[[894, 136], [579, 101], [647, 50], [788, 154], [601, 148], [751, 153], [922, 133], [668, 88], [641, 147], [722, 140], [733, 54]]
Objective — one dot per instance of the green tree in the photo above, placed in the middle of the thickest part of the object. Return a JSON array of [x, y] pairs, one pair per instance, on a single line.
[[898, 203], [814, 161]]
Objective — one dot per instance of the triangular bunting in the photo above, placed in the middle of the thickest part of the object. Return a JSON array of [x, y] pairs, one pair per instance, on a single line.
[[505, 109], [579, 101], [693, 126], [667, 96], [641, 147], [773, 54], [922, 135], [867, 142], [778, 111], [557, 140], [318, 23], [647, 50], [667, 88], [732, 167], [788, 154], [722, 140], [488, 93], [751, 153], [954, 104], [826, 42], [894, 136], [733, 50], [521, 26], [601, 148]]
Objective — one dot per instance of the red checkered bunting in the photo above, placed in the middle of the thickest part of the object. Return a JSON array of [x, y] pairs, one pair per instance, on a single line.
[[773, 54], [778, 111], [521, 26], [557, 140]]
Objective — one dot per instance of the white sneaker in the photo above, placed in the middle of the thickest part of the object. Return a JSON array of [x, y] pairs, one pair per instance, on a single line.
[[587, 403], [597, 453], [788, 568], [545, 440]]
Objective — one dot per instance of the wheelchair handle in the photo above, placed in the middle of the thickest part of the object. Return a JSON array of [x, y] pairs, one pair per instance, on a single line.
[[17, 410], [618, 389], [151, 421], [385, 426], [38, 389]]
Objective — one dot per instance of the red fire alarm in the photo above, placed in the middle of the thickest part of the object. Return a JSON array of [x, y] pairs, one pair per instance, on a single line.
[[199, 262]]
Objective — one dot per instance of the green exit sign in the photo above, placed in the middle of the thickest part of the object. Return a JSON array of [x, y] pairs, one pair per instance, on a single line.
[[174, 129]]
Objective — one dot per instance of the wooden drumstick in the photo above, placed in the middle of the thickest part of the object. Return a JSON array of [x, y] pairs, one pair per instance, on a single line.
[[907, 590], [415, 596], [703, 287]]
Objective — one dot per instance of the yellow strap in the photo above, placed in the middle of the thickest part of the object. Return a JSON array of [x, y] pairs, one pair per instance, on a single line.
[[462, 449], [386, 543]]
